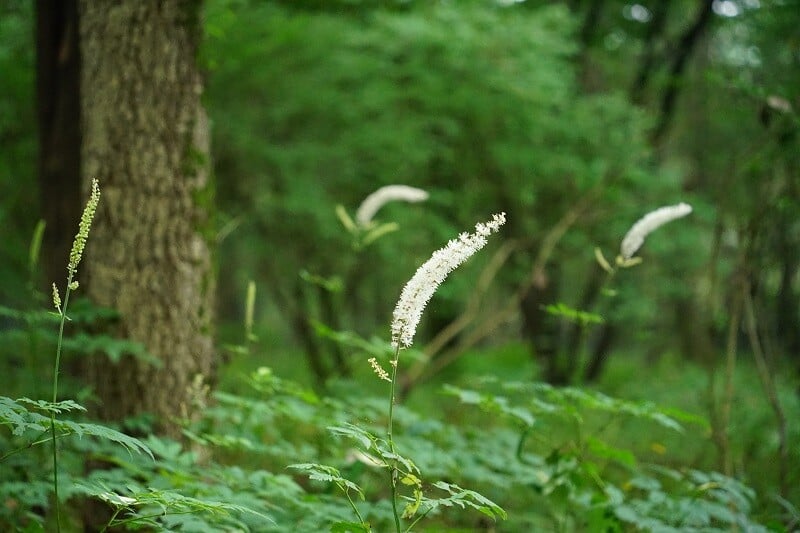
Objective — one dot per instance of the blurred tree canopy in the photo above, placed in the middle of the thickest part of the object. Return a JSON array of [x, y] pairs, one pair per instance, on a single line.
[[477, 103], [577, 116]]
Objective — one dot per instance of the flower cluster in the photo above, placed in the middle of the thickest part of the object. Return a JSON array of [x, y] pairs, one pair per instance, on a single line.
[[378, 369], [635, 237], [56, 298], [83, 229], [420, 288], [390, 193]]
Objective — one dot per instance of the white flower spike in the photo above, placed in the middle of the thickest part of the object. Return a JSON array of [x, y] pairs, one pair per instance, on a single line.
[[390, 193], [420, 288], [649, 223]]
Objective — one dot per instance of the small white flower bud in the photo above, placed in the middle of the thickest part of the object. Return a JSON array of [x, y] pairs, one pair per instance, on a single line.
[[390, 193]]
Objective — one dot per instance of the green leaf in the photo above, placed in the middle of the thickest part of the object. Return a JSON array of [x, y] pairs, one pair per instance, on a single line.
[[327, 474], [170, 502], [364, 438], [463, 498], [350, 527], [131, 444], [344, 218], [573, 315], [606, 451], [492, 404], [51, 407], [30, 317], [15, 415], [378, 232]]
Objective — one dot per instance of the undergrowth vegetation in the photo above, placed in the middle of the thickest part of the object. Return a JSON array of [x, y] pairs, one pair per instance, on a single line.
[[554, 459], [270, 454]]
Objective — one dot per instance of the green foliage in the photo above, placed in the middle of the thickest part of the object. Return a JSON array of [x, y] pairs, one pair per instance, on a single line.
[[328, 474], [165, 509], [18, 153], [461, 498], [487, 106], [574, 315], [546, 455], [333, 106]]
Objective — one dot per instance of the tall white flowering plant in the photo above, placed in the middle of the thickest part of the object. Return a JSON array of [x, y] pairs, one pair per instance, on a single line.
[[378, 452], [636, 236], [630, 244], [417, 293], [364, 228], [390, 193]]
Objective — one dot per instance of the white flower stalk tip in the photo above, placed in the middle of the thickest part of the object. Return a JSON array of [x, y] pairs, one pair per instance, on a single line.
[[649, 223], [390, 193], [420, 288]]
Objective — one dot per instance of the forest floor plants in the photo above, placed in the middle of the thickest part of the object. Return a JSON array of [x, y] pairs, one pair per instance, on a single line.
[[31, 420], [382, 452]]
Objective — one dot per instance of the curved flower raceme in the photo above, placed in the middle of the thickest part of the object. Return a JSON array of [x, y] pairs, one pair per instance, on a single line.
[[390, 193], [420, 288], [635, 237]]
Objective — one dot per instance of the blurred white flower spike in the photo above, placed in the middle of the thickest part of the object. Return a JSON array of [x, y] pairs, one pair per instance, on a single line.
[[420, 288], [635, 237], [390, 193]]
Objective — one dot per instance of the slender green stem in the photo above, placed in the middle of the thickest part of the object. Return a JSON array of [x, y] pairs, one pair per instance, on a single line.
[[352, 504], [420, 517], [393, 469], [393, 482], [113, 517], [32, 443], [55, 399], [391, 398]]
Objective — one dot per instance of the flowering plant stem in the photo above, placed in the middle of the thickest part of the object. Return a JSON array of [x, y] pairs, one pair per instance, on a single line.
[[63, 312], [75, 255], [393, 469]]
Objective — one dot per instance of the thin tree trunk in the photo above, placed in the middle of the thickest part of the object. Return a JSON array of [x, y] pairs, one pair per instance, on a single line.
[[58, 122], [685, 47], [654, 32], [149, 256]]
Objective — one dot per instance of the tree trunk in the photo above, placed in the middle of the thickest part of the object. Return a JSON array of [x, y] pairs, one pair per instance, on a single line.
[[680, 59], [58, 117], [149, 255]]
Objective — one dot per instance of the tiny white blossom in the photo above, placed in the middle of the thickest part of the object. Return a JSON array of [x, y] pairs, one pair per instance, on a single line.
[[420, 288], [390, 193], [649, 223]]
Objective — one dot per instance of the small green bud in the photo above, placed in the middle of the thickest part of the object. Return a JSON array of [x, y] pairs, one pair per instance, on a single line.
[[83, 229], [56, 298]]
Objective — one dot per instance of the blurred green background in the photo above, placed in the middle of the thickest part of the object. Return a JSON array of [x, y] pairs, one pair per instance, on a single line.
[[574, 117]]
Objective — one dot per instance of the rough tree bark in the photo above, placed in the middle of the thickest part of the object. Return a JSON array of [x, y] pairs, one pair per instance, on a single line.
[[146, 140]]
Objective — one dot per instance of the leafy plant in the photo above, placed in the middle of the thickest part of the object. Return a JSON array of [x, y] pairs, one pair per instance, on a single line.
[[382, 453]]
